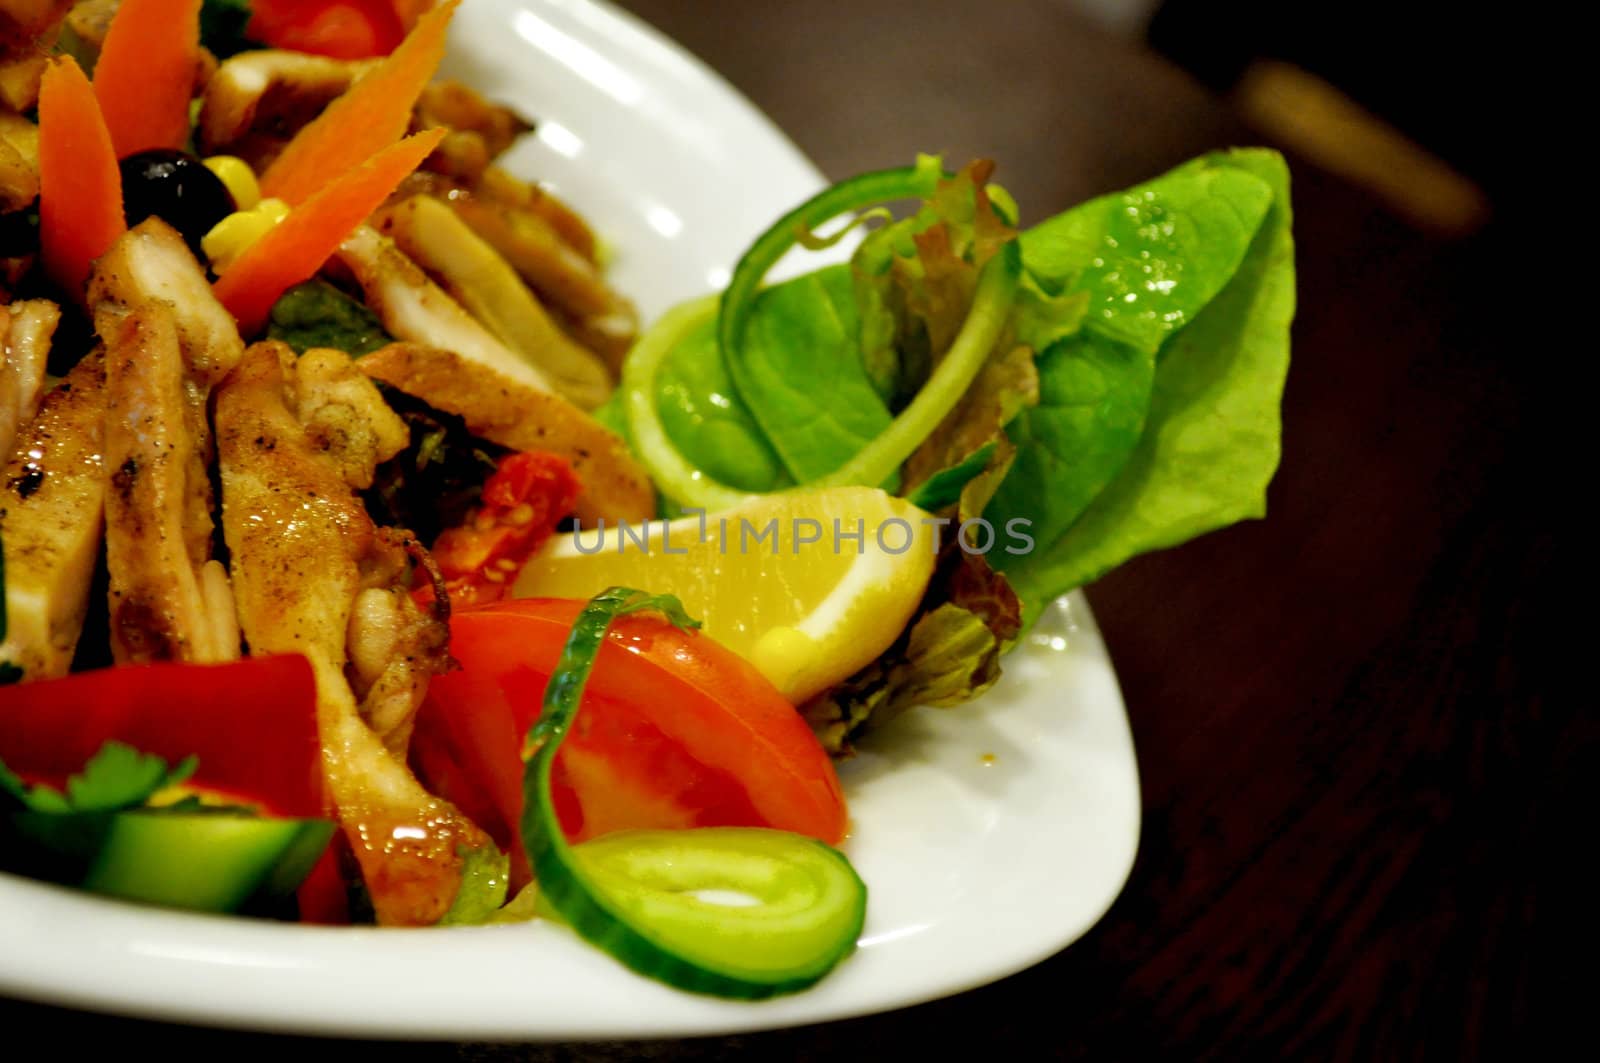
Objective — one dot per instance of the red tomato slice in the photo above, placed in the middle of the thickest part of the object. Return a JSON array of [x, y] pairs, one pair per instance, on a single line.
[[252, 724], [675, 731]]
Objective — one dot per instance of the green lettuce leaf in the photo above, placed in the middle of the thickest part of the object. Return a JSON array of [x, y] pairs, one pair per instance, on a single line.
[[1151, 257], [1145, 261], [316, 314], [704, 415], [1212, 435], [1094, 394], [807, 386]]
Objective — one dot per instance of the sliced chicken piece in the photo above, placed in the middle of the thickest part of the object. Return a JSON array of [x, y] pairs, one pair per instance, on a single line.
[[565, 278], [479, 130], [550, 247], [20, 75], [158, 508], [22, 22], [435, 237], [51, 504], [313, 575], [19, 161], [89, 20], [414, 308], [28, 32], [512, 415], [167, 341], [255, 101], [460, 107], [501, 186], [345, 416], [348, 421], [152, 262], [25, 331]]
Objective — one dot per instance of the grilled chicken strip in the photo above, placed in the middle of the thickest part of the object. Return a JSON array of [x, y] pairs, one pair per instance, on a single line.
[[19, 161], [313, 575], [549, 246], [51, 502], [28, 30], [151, 261], [26, 329], [473, 273], [414, 308], [169, 600], [167, 341], [23, 21], [479, 130], [512, 415]]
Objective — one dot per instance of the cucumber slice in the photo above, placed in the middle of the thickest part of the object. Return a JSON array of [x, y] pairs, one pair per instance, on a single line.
[[635, 894], [795, 910], [202, 861]]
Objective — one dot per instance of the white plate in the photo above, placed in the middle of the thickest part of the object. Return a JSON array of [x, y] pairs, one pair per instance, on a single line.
[[990, 837]]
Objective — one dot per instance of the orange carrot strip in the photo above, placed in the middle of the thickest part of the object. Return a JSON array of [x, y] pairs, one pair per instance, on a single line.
[[297, 246], [145, 74], [80, 189], [374, 113]]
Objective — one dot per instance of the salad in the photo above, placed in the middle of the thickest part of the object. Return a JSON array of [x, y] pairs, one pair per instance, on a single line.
[[324, 418]]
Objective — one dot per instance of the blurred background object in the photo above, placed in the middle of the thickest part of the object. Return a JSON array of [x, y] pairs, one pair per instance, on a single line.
[[1393, 96]]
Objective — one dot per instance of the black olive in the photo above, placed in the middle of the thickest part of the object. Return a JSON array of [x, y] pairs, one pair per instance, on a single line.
[[177, 188]]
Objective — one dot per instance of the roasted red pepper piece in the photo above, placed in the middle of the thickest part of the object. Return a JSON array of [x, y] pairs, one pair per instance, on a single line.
[[522, 503]]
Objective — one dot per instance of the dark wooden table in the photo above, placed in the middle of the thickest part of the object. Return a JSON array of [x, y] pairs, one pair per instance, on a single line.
[[1351, 760]]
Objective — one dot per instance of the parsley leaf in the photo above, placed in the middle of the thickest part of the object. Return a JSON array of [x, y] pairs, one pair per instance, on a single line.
[[116, 778]]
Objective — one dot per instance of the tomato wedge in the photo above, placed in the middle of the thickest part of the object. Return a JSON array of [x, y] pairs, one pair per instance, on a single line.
[[676, 731], [252, 725]]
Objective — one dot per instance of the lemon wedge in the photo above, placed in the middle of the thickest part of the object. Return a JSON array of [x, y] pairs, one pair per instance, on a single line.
[[808, 585]]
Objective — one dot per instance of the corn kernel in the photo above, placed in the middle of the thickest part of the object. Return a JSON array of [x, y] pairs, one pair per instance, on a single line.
[[276, 209], [240, 181], [229, 238]]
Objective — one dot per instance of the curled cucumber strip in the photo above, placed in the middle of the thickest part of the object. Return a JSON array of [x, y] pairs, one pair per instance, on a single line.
[[877, 461]]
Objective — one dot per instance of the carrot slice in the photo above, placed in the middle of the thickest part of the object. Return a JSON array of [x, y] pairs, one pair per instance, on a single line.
[[374, 113], [80, 188], [297, 246], [145, 74]]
